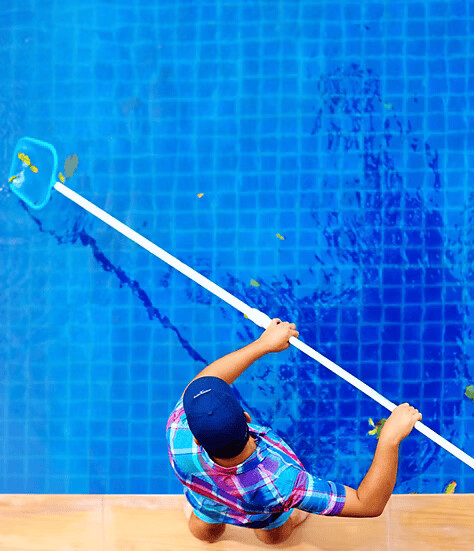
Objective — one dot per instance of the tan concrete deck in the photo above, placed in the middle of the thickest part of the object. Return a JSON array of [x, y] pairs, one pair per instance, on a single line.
[[434, 522]]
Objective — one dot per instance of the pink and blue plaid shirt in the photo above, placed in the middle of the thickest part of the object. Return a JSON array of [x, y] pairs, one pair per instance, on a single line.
[[256, 492]]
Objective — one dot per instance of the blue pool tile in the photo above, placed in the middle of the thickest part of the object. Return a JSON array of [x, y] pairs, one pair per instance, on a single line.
[[410, 392], [371, 295], [432, 333], [411, 351], [453, 333], [372, 314], [390, 352], [118, 448], [349, 315], [432, 389], [348, 333], [392, 295], [282, 133], [370, 371], [348, 352], [98, 486], [392, 313], [117, 485], [369, 352]]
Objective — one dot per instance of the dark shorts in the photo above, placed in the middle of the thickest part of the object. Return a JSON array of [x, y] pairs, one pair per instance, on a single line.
[[275, 520]]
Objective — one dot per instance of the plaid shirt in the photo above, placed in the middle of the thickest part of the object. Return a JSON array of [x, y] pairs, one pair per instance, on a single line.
[[271, 481]]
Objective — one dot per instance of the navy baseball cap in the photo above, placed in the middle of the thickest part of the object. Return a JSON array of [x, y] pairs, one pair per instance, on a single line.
[[215, 417]]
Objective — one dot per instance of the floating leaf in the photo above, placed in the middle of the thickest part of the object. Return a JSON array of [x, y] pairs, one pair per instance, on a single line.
[[61, 177], [470, 392], [377, 427], [450, 487], [18, 181], [24, 158], [70, 165], [33, 169], [280, 236], [254, 283], [200, 195]]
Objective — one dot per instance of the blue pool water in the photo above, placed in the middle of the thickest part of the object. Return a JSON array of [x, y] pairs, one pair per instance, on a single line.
[[343, 127]]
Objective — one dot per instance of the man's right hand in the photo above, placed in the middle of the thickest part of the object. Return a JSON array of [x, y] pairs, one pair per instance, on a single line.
[[276, 336], [400, 423]]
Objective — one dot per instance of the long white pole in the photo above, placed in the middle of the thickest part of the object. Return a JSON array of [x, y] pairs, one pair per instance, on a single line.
[[259, 318]]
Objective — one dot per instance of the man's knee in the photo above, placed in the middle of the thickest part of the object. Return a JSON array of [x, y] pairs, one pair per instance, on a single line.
[[204, 531], [276, 535]]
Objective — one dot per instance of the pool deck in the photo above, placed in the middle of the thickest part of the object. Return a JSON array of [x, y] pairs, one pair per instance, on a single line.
[[38, 522]]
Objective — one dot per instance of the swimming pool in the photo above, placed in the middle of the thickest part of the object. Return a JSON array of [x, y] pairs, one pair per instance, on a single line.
[[310, 159]]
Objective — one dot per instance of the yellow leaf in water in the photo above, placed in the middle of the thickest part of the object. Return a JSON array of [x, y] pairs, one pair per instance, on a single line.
[[254, 283], [33, 168], [24, 158], [200, 195], [12, 178], [451, 487], [470, 392], [61, 177], [280, 236], [245, 316], [374, 430]]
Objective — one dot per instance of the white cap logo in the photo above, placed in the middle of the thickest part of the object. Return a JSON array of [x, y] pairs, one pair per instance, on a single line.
[[203, 392]]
